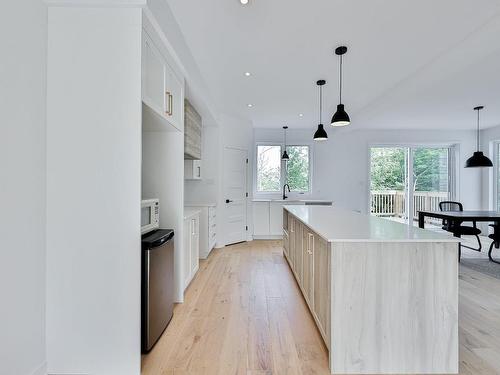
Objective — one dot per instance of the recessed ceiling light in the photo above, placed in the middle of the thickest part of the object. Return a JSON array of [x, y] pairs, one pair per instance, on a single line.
[[301, 115], [244, 2], [249, 105], [248, 74]]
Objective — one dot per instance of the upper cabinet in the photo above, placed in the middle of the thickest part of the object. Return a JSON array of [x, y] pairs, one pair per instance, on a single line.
[[162, 90], [192, 132]]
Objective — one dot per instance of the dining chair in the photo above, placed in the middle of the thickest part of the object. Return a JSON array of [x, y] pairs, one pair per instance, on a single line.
[[495, 236], [461, 230]]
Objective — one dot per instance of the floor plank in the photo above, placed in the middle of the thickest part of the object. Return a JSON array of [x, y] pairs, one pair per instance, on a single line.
[[245, 315]]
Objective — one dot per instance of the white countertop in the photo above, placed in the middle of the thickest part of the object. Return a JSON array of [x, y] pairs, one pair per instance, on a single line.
[[292, 200], [189, 212], [200, 204], [339, 225]]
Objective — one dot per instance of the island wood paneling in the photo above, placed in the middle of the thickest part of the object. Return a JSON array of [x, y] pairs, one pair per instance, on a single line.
[[394, 307]]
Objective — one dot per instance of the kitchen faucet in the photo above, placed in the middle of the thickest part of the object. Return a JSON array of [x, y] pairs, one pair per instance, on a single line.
[[284, 195]]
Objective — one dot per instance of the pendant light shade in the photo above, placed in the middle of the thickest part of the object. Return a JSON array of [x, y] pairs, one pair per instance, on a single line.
[[285, 154], [320, 134], [340, 118], [478, 159]]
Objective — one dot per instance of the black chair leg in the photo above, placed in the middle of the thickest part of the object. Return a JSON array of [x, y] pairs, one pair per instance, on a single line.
[[491, 249], [474, 248]]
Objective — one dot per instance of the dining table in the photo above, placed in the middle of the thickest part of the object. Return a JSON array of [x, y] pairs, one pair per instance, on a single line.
[[458, 217]]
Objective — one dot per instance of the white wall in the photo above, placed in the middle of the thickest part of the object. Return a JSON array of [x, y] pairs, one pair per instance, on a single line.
[[93, 190], [341, 164], [23, 33]]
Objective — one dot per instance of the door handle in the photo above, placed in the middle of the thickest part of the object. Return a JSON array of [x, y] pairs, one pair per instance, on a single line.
[[228, 200]]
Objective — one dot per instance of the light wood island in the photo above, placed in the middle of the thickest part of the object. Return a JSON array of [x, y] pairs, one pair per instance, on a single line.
[[384, 295]]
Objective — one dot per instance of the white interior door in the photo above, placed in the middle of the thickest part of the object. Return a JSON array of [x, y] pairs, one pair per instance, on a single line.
[[235, 195]]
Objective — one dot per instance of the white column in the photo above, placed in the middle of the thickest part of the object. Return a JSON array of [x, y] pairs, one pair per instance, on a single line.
[[93, 187]]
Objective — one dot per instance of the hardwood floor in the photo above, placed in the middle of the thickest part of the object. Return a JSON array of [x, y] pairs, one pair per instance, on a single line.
[[244, 314]]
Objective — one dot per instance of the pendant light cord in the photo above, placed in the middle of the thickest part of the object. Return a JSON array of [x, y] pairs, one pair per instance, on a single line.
[[340, 79], [320, 102], [478, 130]]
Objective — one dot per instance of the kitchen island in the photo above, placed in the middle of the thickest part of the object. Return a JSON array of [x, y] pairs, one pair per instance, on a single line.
[[384, 295]]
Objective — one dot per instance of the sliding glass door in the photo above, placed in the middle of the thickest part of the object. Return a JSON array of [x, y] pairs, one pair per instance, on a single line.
[[405, 180], [389, 182]]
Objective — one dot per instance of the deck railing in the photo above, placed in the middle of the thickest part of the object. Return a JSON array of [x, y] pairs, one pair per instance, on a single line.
[[392, 202]]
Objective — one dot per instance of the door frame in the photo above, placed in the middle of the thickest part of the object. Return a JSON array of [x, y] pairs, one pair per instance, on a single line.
[[453, 167], [223, 192]]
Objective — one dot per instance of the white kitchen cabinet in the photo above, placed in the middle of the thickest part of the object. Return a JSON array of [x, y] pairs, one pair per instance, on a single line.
[[192, 169], [191, 245], [208, 227], [261, 218], [268, 217], [275, 218], [162, 90]]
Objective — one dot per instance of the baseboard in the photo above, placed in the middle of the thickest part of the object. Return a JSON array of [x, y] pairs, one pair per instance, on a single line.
[[41, 370], [268, 237]]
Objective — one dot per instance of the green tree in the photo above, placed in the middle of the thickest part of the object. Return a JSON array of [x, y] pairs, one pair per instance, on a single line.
[[430, 169], [298, 168]]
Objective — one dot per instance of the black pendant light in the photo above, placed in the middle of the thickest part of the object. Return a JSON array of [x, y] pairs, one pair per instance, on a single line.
[[320, 134], [478, 159], [285, 154], [340, 118]]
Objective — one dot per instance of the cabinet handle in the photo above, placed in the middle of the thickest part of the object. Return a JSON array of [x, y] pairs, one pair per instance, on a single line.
[[171, 103], [168, 103], [310, 243], [199, 172]]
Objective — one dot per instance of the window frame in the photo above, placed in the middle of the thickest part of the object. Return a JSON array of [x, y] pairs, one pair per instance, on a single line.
[[283, 171]]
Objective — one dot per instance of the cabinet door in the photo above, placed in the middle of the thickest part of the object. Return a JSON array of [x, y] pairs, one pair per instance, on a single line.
[[153, 76], [308, 266], [261, 218], [195, 245], [276, 218], [291, 240], [187, 252], [175, 98], [286, 243], [298, 249], [321, 299]]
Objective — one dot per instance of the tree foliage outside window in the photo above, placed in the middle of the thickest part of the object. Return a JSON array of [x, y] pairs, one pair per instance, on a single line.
[[271, 170], [298, 168], [430, 169], [268, 168]]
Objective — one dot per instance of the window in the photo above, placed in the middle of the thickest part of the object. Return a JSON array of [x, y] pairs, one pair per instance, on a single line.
[[272, 173], [298, 168], [268, 168]]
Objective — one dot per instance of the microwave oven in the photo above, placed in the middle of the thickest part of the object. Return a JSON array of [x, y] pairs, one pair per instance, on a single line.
[[150, 215]]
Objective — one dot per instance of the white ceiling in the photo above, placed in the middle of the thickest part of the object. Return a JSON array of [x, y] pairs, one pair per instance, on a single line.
[[410, 64]]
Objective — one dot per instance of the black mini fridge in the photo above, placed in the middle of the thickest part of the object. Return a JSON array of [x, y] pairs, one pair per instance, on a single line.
[[157, 285]]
